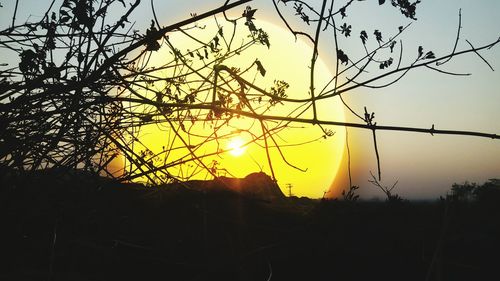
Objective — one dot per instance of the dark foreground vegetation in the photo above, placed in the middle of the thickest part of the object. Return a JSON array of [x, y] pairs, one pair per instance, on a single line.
[[81, 227]]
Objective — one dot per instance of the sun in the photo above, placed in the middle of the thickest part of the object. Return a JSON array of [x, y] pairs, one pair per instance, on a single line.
[[299, 154], [236, 146]]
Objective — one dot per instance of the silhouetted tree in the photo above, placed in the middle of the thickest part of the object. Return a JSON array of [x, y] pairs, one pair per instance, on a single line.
[[463, 192], [388, 191], [489, 192], [84, 88], [381, 63], [350, 195]]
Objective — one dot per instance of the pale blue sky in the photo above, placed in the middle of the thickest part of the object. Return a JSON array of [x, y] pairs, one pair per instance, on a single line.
[[426, 166]]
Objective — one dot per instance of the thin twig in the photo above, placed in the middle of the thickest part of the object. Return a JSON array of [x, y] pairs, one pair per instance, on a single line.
[[313, 60], [456, 39], [14, 15], [376, 152], [295, 33], [475, 51], [348, 156]]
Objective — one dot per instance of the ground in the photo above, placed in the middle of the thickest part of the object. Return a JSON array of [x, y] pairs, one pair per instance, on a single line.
[[80, 227]]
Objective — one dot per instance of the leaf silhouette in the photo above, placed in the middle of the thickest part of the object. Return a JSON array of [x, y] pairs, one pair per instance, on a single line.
[[380, 2], [299, 10], [363, 36], [152, 36], [251, 26], [386, 63], [420, 51], [216, 41], [342, 12], [305, 18], [407, 9], [249, 13], [64, 19], [263, 38], [260, 67], [429, 55], [345, 29], [378, 35], [344, 59]]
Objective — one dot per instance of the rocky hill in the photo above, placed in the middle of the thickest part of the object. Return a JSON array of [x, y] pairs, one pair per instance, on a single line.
[[255, 185]]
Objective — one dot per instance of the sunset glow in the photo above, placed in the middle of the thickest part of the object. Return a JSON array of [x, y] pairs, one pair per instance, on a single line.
[[303, 155], [236, 146], [250, 139]]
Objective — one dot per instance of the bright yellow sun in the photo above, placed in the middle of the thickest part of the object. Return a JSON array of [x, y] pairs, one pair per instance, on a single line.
[[236, 146], [301, 157]]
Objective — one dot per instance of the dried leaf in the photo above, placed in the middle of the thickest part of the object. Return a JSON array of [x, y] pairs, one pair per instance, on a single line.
[[429, 55], [260, 67], [342, 12], [363, 36], [344, 59], [345, 29], [249, 13], [378, 35]]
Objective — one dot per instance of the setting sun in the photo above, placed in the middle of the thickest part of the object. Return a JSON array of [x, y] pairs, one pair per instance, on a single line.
[[304, 156], [236, 146]]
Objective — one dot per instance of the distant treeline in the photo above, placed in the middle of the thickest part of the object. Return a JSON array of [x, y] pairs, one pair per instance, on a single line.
[[471, 191]]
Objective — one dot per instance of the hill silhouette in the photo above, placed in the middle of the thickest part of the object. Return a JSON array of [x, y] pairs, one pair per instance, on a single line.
[[255, 185]]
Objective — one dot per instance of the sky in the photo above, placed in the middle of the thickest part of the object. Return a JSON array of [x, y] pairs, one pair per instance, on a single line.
[[425, 166]]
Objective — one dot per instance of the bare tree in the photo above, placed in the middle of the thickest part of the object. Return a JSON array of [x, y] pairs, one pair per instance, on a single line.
[[380, 64], [391, 197], [85, 88]]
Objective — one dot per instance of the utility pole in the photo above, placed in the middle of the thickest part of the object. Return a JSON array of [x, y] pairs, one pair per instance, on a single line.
[[289, 186]]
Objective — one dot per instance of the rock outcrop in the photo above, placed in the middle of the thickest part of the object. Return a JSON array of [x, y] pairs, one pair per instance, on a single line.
[[255, 185]]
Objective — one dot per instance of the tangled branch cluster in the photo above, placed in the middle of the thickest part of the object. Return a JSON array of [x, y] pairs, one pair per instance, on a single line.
[[84, 86]]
